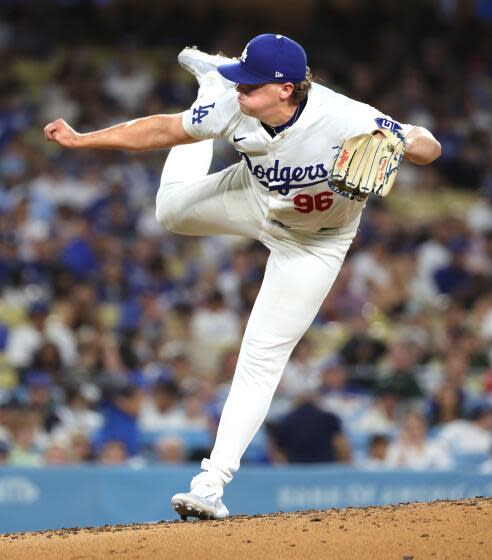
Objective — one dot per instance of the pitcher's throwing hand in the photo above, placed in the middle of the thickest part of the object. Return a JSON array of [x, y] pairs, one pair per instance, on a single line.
[[62, 133]]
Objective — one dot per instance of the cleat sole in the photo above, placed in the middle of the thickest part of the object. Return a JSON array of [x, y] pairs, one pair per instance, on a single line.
[[189, 506]]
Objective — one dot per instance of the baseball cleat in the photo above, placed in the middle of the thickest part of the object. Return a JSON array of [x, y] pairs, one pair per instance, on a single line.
[[192, 505], [200, 63]]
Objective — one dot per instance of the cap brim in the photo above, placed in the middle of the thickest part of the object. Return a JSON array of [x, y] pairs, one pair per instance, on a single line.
[[236, 73]]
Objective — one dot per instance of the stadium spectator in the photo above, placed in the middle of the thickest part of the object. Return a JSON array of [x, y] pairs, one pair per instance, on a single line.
[[431, 255], [447, 405], [456, 373], [361, 353], [170, 450], [57, 453], [121, 406], [376, 453], [469, 436], [412, 449], [39, 398], [309, 434], [128, 82], [162, 408], [370, 270], [76, 415], [195, 403], [213, 328], [80, 446], [454, 279], [26, 339], [399, 369], [381, 416], [480, 214], [26, 449], [112, 452], [338, 393], [47, 359]]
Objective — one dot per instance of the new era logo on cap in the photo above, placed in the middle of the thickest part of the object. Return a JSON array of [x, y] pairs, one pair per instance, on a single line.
[[268, 58]]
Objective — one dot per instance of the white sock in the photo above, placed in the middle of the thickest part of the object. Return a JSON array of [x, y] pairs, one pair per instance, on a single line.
[[188, 162]]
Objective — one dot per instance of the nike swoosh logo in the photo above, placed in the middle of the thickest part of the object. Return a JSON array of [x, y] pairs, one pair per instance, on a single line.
[[238, 139]]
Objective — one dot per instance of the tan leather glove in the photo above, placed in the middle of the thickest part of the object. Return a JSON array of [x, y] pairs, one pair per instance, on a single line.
[[369, 163]]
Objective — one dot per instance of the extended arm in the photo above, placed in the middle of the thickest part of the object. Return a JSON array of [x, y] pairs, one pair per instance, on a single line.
[[422, 147], [148, 133]]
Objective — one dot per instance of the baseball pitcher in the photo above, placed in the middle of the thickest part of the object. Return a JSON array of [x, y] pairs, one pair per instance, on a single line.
[[310, 157]]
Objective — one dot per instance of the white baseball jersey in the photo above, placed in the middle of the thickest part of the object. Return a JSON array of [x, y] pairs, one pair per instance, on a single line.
[[289, 174], [281, 194]]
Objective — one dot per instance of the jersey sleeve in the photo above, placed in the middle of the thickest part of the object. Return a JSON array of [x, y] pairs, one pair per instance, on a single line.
[[211, 117], [360, 118]]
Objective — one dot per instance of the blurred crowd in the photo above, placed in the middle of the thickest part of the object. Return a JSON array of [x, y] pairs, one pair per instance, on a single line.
[[118, 340]]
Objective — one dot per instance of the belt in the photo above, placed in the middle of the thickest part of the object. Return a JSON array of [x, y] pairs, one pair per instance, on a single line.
[[283, 226]]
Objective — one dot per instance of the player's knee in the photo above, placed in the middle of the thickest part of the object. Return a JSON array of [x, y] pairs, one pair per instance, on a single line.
[[164, 217], [256, 368], [165, 209]]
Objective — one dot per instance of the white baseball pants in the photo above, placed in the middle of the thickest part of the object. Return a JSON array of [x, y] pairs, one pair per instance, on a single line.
[[300, 271]]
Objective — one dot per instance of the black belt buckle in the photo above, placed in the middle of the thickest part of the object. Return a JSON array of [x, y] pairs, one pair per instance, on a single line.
[[280, 224]]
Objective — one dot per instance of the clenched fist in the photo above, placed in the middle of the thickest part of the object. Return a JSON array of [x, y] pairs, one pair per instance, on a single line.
[[62, 133]]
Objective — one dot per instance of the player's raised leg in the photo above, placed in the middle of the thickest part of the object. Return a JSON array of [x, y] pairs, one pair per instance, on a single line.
[[190, 202], [295, 284]]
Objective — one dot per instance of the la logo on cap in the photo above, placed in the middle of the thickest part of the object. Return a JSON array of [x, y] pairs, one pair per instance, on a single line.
[[267, 58], [244, 56]]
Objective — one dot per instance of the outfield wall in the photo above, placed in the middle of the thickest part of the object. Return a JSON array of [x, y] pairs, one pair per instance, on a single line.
[[55, 497]]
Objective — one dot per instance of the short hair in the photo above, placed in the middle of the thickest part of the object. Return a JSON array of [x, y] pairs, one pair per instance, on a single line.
[[301, 89], [377, 439]]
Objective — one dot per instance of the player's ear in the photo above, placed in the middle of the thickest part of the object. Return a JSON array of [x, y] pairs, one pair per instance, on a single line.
[[286, 90]]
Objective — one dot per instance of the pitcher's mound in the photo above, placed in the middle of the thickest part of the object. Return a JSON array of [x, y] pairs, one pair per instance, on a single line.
[[439, 530]]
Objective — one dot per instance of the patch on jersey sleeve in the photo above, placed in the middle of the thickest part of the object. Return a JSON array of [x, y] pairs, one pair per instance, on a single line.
[[388, 124], [199, 113]]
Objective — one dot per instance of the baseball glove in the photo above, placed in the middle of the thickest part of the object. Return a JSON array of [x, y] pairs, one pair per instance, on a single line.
[[369, 163]]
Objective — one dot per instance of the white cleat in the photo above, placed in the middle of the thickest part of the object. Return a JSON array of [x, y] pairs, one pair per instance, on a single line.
[[200, 63], [191, 505], [204, 500]]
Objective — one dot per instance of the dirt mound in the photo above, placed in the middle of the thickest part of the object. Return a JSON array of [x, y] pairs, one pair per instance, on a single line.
[[439, 530]]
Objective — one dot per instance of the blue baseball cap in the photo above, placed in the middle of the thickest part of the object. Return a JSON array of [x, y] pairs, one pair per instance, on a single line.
[[268, 58]]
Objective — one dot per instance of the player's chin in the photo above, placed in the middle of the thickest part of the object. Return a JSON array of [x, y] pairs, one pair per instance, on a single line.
[[245, 110]]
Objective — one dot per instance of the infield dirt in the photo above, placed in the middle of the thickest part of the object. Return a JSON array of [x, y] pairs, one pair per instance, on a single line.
[[439, 530]]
